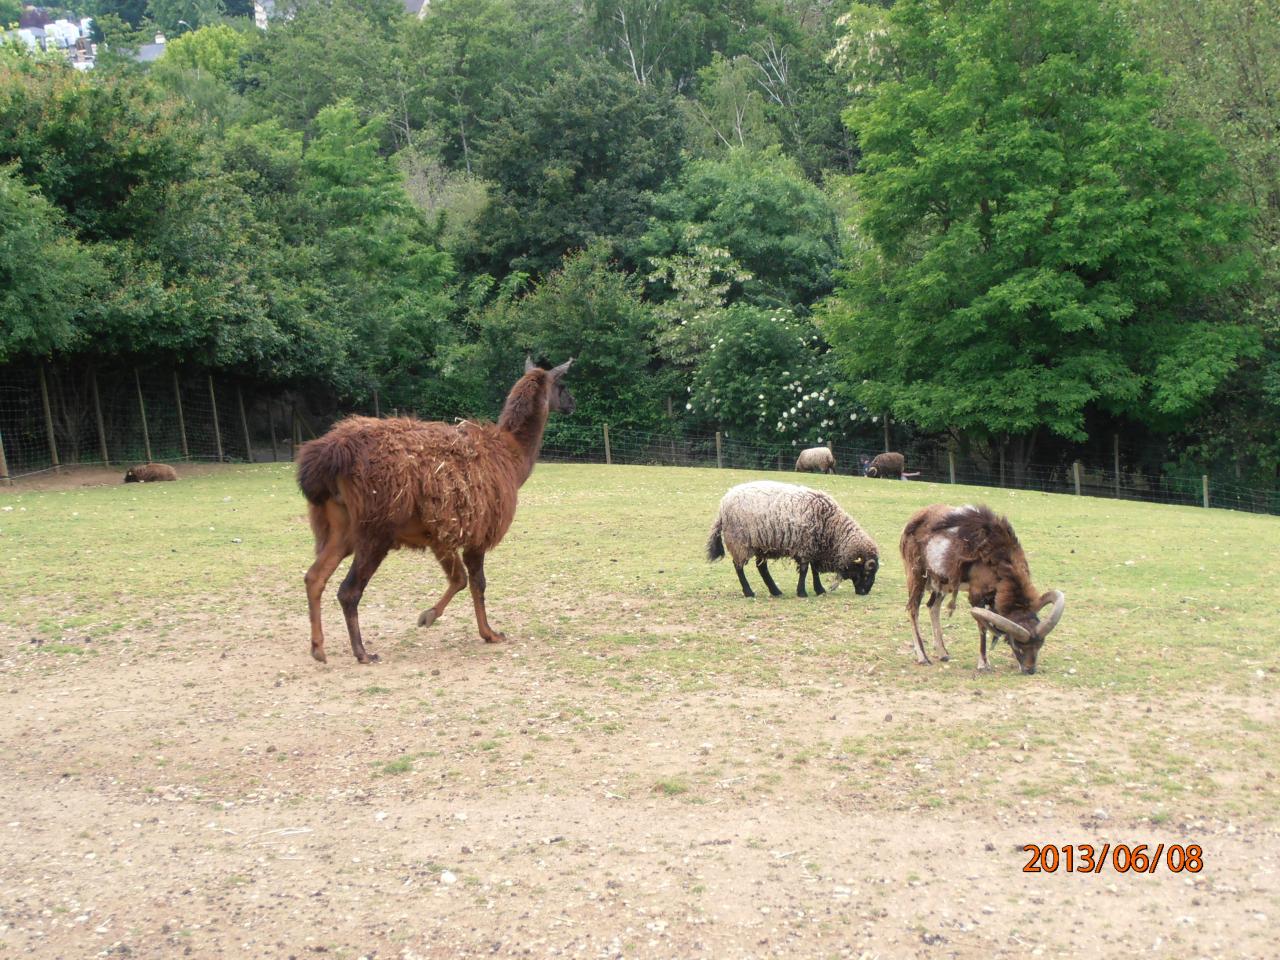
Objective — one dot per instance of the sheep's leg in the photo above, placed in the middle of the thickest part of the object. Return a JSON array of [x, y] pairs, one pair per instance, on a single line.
[[983, 662], [935, 615], [762, 568], [474, 559], [457, 580], [915, 594], [804, 572], [742, 579], [817, 584], [363, 567]]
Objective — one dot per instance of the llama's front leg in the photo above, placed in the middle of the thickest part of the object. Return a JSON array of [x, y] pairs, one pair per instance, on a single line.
[[474, 559], [327, 560], [935, 615], [457, 580], [363, 567]]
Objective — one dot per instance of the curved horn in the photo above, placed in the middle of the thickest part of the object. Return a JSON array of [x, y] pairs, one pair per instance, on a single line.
[[1002, 624], [1059, 604], [528, 363], [561, 370]]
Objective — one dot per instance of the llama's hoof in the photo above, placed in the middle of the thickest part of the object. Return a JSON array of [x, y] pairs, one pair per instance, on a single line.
[[945, 657], [318, 654], [427, 617], [926, 662], [369, 658], [496, 638]]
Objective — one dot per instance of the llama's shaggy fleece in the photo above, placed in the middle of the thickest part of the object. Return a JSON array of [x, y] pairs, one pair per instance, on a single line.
[[769, 520], [816, 460], [150, 473]]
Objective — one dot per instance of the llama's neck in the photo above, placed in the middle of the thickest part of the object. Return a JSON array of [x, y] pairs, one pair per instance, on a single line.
[[524, 417]]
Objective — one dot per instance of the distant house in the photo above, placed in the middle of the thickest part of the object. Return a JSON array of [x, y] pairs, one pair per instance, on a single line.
[[151, 52], [41, 31]]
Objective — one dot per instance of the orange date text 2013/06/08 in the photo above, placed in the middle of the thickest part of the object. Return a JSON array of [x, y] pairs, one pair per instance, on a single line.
[[1119, 858]]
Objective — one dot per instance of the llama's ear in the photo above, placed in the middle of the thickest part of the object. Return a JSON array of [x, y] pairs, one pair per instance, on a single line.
[[528, 363], [561, 370]]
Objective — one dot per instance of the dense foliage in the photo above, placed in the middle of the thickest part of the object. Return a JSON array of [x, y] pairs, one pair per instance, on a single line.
[[1015, 221]]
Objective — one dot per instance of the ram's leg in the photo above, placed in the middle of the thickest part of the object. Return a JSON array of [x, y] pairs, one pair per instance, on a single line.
[[915, 593], [804, 573], [983, 662], [935, 614], [742, 579], [762, 568]]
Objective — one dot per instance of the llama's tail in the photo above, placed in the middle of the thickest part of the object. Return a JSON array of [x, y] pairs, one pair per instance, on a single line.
[[319, 517], [320, 463], [715, 543]]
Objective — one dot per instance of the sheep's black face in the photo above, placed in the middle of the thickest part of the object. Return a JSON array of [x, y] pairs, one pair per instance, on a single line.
[[863, 574], [130, 478]]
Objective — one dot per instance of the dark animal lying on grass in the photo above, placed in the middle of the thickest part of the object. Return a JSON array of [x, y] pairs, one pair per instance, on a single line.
[[949, 549], [378, 485], [768, 520], [150, 473]]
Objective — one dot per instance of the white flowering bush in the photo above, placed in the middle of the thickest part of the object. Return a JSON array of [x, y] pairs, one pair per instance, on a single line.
[[765, 377]]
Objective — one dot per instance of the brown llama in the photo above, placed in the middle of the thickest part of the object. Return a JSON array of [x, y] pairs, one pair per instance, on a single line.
[[377, 485]]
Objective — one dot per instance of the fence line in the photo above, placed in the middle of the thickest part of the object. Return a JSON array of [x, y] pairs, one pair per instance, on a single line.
[[52, 419]]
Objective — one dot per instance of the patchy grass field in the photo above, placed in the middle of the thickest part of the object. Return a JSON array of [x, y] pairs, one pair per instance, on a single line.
[[654, 766]]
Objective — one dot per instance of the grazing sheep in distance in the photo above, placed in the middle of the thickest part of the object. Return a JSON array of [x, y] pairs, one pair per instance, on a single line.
[[150, 473], [948, 549], [816, 460], [768, 520], [887, 466], [377, 485]]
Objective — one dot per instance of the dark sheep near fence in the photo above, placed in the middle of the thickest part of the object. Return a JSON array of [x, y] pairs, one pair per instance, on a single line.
[[150, 473]]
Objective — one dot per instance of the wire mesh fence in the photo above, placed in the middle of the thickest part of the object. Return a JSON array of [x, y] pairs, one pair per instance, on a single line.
[[55, 417]]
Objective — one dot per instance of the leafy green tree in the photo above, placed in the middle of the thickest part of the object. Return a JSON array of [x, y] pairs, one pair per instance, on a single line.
[[1222, 58], [592, 311], [44, 274], [213, 50], [175, 16], [729, 108], [761, 209], [10, 12], [766, 377], [1033, 243], [572, 161]]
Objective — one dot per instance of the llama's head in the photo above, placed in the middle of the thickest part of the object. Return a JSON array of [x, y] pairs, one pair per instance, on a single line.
[[559, 399]]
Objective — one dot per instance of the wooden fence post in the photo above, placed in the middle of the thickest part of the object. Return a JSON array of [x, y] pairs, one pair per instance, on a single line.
[[886, 431], [244, 425], [271, 421], [217, 431], [1075, 473], [951, 464], [608, 451], [1204, 480], [719, 452], [295, 431], [97, 416], [1002, 446], [1116, 448], [142, 409], [182, 423], [377, 409], [4, 465], [48, 421]]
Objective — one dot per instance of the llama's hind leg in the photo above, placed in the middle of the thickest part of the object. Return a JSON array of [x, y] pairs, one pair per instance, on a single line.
[[457, 580], [363, 567], [474, 559]]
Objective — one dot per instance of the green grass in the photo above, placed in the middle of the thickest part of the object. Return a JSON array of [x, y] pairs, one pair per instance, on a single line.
[[603, 585]]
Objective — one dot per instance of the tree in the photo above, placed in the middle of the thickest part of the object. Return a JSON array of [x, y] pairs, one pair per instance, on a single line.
[[761, 209], [44, 274], [174, 15], [214, 50], [574, 160], [766, 377], [10, 13], [592, 311], [1033, 242]]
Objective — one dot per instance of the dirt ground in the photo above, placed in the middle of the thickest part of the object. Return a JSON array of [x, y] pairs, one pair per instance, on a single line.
[[181, 806], [652, 768]]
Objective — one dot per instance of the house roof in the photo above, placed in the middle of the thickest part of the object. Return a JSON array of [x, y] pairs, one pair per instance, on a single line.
[[149, 52]]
